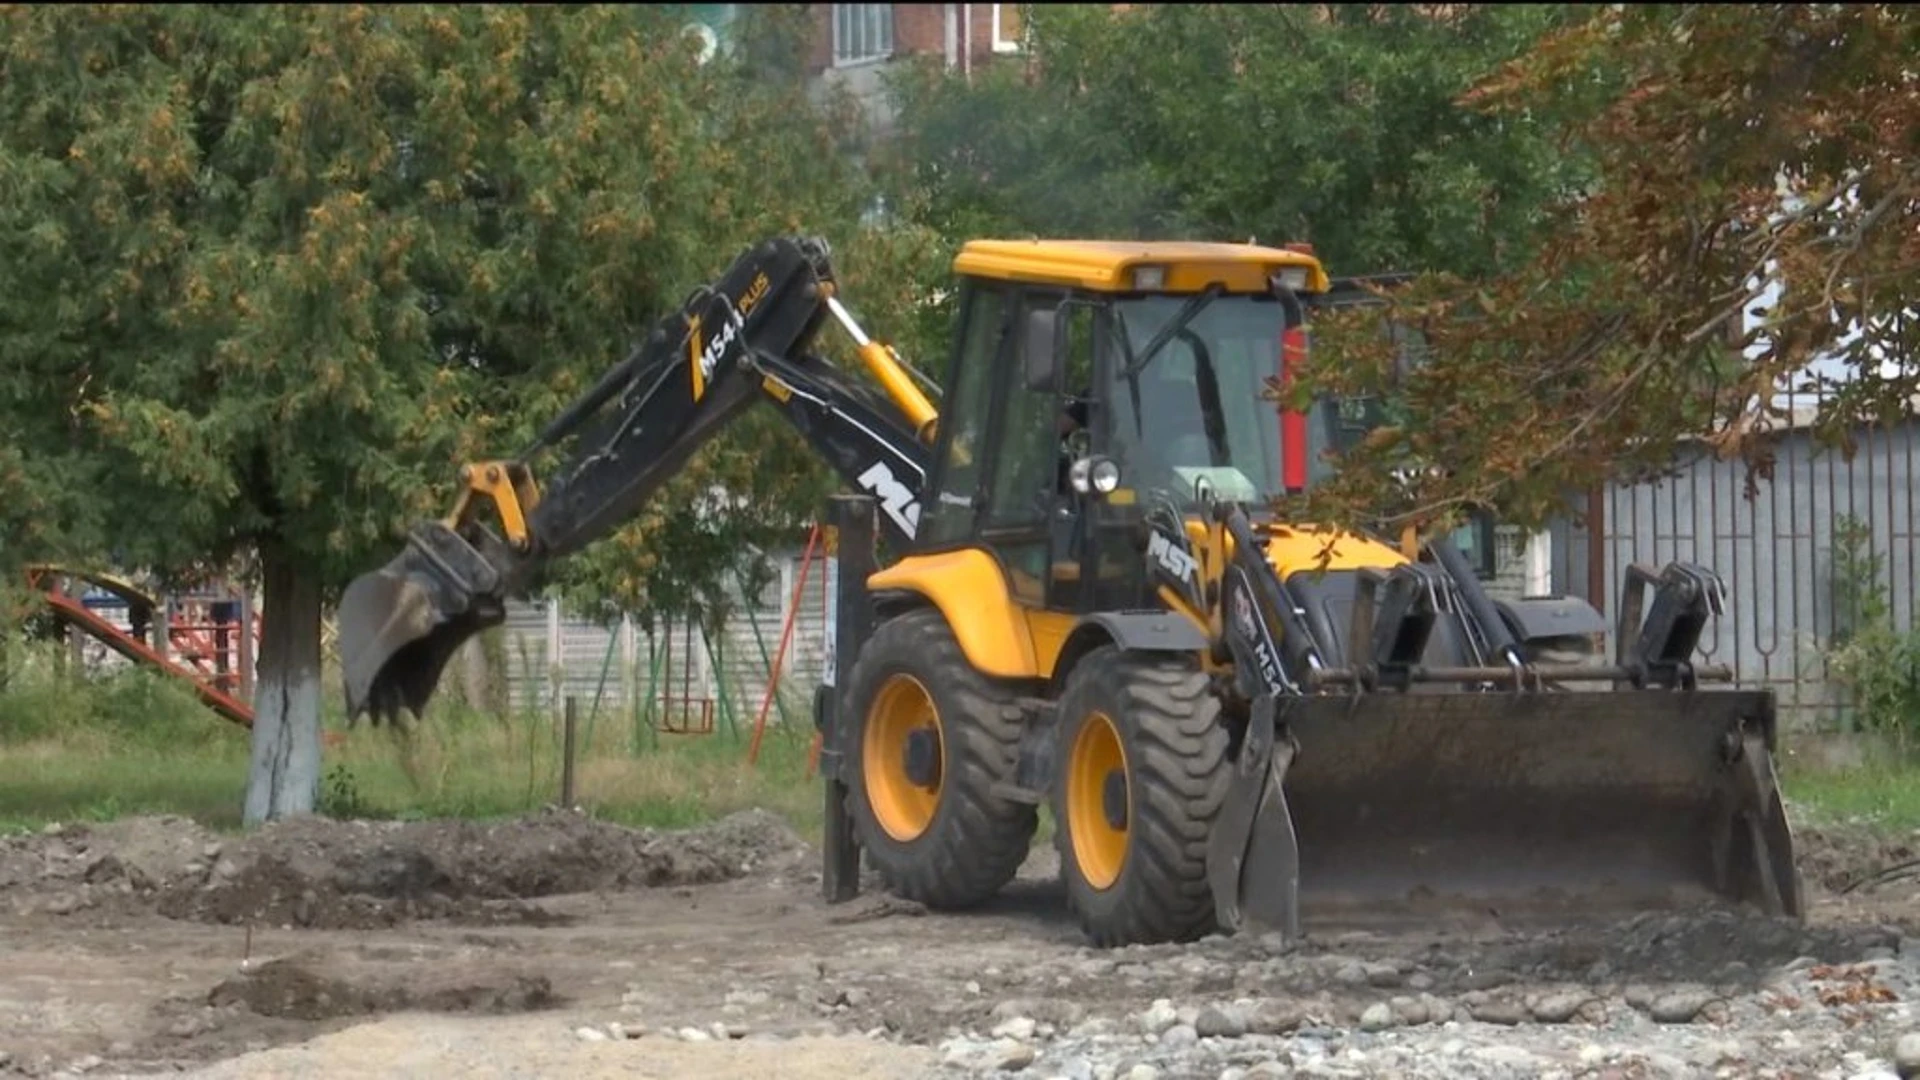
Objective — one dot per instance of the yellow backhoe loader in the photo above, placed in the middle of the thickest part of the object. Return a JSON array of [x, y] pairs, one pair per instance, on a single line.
[[1087, 603]]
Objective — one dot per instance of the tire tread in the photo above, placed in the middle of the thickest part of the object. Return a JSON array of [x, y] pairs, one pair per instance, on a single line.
[[1177, 754], [978, 840]]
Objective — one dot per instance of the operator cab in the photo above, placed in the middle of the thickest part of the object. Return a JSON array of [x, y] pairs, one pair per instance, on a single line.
[[1114, 378], [1110, 378]]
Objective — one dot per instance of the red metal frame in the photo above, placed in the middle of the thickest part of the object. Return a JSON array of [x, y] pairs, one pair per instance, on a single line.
[[74, 613], [1293, 425]]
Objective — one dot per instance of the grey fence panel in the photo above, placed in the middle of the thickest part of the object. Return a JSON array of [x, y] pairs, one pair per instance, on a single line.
[[1774, 547]]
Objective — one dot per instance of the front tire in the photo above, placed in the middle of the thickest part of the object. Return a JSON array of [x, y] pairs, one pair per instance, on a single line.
[[1143, 772], [930, 738]]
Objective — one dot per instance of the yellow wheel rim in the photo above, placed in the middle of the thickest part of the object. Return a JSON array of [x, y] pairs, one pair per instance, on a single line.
[[1099, 845], [902, 803]]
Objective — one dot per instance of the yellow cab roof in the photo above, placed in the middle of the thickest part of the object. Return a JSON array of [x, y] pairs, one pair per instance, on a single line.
[[1107, 265]]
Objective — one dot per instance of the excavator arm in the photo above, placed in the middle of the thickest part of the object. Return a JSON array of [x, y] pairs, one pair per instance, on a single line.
[[743, 339]]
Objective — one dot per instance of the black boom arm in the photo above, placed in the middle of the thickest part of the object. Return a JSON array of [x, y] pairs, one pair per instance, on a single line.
[[694, 374], [745, 338]]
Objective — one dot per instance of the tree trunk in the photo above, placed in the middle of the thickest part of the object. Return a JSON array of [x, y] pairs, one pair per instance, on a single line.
[[493, 650], [472, 662], [285, 777]]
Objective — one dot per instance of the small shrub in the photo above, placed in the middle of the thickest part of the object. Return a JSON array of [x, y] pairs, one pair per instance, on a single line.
[[1875, 661], [39, 701], [143, 707], [340, 796], [1880, 667], [46, 697]]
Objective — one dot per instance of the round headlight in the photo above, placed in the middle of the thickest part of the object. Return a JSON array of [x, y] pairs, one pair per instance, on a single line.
[[1105, 475], [1079, 475]]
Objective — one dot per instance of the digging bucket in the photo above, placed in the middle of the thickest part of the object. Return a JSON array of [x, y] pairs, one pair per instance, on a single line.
[[399, 625], [1523, 804]]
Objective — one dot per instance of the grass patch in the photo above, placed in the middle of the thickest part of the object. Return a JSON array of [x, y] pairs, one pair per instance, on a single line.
[[91, 779], [1882, 794], [469, 765], [131, 741], [95, 748]]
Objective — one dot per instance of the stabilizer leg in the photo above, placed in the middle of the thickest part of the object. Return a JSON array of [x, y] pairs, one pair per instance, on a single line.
[[852, 518]]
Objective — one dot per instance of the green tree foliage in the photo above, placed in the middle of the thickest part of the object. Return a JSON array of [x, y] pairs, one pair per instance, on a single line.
[[284, 266], [46, 512], [1335, 125], [1756, 208], [759, 486]]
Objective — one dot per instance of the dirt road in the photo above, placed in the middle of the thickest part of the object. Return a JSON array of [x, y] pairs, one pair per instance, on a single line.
[[558, 946]]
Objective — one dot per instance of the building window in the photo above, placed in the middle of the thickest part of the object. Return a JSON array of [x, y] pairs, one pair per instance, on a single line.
[[862, 32], [1006, 28]]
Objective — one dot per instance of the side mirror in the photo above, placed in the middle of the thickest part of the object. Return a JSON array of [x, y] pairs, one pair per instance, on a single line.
[[1040, 343], [1293, 310]]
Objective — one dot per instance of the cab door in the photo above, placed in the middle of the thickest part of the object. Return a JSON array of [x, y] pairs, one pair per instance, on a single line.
[[957, 480], [1023, 490]]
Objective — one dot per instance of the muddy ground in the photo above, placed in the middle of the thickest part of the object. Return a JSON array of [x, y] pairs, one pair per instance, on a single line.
[[561, 946]]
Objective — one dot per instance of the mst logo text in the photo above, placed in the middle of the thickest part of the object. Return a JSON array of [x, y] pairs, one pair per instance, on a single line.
[[895, 497]]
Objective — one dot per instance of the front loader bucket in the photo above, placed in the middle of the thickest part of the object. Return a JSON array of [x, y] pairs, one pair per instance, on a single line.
[[399, 625], [1514, 805]]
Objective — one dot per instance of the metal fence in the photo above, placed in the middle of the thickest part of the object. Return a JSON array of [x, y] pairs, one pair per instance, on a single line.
[[719, 680], [1776, 552]]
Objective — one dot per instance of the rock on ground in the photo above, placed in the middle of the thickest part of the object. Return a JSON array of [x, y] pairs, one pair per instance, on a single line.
[[403, 1048]]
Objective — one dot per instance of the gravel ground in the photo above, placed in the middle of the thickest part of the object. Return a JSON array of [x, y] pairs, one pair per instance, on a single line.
[[563, 947]]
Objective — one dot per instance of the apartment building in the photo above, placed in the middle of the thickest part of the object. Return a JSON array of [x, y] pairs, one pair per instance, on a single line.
[[854, 44]]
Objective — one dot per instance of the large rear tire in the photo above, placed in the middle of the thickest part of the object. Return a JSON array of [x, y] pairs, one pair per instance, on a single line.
[[930, 737], [1142, 774]]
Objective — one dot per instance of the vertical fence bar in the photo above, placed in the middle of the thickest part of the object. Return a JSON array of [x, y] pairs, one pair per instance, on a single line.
[[1726, 525], [1789, 643], [1905, 592], [567, 751], [1597, 548]]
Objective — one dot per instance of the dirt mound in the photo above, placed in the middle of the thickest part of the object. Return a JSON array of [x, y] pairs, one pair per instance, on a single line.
[[313, 987], [1834, 857], [1716, 946], [145, 852], [320, 873], [67, 869]]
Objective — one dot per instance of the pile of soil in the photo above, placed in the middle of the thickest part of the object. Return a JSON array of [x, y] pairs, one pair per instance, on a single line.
[[1836, 857], [326, 874], [317, 986]]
